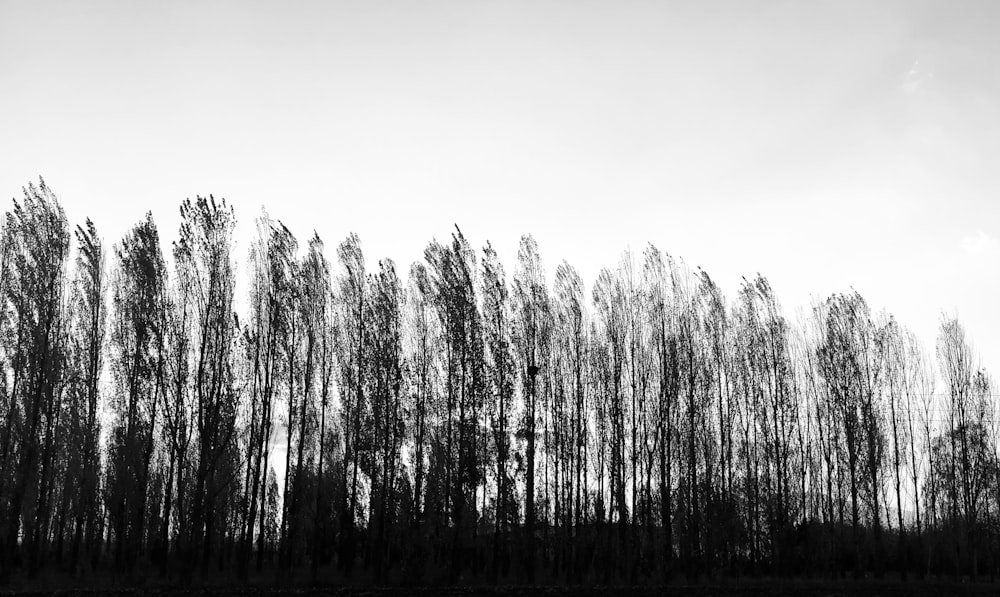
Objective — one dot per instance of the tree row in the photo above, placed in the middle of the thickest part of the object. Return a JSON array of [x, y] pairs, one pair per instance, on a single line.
[[345, 421]]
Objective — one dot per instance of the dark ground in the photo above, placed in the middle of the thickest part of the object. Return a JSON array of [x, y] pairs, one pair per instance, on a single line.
[[732, 589]]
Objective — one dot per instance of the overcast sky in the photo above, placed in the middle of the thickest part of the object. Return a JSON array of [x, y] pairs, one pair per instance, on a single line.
[[824, 144]]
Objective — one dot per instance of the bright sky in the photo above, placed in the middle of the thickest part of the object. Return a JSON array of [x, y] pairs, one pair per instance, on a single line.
[[824, 144]]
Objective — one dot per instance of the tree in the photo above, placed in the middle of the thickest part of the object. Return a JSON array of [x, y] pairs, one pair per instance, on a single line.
[[88, 316], [609, 303], [497, 335], [531, 338], [851, 362], [770, 379], [662, 320], [205, 266], [967, 425], [36, 236], [422, 342], [320, 317], [295, 379], [138, 332], [462, 426], [570, 331], [352, 352], [385, 384], [453, 278], [271, 256]]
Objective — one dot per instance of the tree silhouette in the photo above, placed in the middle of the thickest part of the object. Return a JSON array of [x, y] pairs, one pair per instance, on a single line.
[[205, 268], [138, 292], [453, 425], [36, 245], [86, 347]]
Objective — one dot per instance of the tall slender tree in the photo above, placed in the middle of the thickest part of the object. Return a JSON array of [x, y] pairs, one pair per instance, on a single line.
[[36, 235], [87, 340], [204, 262], [138, 293]]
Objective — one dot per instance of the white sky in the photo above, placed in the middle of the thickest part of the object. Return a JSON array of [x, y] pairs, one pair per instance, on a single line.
[[823, 144]]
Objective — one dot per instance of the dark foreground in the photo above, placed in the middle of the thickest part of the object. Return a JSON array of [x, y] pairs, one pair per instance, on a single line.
[[732, 589]]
